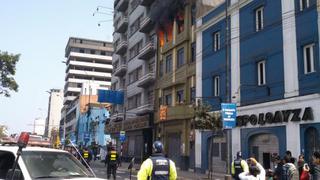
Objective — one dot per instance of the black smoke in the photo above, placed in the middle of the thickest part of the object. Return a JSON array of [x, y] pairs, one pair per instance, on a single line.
[[163, 12]]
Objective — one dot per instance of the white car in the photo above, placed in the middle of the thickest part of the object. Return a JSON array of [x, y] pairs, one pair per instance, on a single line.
[[42, 163]]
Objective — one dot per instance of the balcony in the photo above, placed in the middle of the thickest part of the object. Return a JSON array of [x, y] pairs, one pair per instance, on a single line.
[[178, 112], [121, 5], [144, 109], [148, 51], [122, 25], [120, 70], [146, 80], [146, 25], [146, 2], [121, 48]]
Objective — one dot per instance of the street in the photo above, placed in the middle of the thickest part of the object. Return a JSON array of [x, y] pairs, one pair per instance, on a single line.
[[101, 171]]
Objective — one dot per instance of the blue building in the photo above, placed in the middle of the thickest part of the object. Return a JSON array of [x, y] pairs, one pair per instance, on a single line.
[[91, 127], [273, 75]]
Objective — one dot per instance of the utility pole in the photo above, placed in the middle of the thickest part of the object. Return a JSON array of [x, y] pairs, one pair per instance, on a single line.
[[228, 131]]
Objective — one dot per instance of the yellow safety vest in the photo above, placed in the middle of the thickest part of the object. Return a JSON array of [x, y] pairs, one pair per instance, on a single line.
[[113, 155], [86, 154]]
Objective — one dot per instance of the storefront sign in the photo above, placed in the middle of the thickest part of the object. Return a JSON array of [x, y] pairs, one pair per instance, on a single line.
[[129, 125], [293, 115]]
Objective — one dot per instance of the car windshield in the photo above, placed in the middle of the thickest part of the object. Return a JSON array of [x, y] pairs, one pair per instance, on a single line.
[[43, 165]]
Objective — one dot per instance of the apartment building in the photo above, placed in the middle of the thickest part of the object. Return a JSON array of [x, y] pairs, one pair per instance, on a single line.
[[88, 68], [134, 73], [54, 111]]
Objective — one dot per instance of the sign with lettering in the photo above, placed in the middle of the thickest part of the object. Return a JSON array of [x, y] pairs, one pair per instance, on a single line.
[[284, 116], [229, 115], [140, 122]]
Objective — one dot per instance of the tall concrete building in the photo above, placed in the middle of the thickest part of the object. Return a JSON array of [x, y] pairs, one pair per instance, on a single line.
[[54, 111], [134, 73], [89, 63]]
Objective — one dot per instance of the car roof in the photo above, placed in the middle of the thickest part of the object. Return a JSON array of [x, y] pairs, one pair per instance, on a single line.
[[14, 149]]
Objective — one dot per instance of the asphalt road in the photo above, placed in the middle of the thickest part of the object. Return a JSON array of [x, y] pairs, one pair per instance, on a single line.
[[101, 171]]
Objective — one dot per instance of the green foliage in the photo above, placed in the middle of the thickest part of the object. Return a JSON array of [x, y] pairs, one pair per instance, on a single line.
[[2, 130], [8, 64], [206, 119]]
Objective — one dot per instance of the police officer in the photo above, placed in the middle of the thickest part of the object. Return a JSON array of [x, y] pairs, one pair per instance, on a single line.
[[238, 166], [112, 161], [157, 167], [86, 156]]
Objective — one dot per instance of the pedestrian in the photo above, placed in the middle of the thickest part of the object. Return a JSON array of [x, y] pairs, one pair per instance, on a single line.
[[157, 167], [300, 164], [238, 166], [305, 174], [112, 161], [86, 155], [253, 174], [278, 168], [252, 162], [315, 169], [289, 171]]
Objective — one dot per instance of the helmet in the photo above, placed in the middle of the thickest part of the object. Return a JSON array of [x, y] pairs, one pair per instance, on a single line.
[[239, 154], [157, 147]]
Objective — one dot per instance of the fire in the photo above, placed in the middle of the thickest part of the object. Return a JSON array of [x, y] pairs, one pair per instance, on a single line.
[[165, 34]]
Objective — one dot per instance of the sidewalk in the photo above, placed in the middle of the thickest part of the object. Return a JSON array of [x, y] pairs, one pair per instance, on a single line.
[[185, 175]]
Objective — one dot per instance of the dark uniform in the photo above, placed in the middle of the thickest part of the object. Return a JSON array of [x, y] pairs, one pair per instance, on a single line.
[[87, 157], [112, 161]]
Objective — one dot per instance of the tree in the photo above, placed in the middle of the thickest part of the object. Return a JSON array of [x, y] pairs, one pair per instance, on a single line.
[[206, 119], [8, 64], [3, 131]]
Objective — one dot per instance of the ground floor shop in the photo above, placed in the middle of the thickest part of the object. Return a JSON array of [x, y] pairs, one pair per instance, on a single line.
[[175, 136], [138, 137], [269, 129]]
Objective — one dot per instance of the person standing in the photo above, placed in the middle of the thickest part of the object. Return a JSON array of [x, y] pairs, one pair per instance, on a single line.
[[278, 168], [289, 171], [86, 155], [315, 170], [238, 166], [112, 161], [300, 164], [157, 167]]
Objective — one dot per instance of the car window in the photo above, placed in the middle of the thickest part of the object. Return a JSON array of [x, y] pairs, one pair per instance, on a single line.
[[53, 164], [6, 163]]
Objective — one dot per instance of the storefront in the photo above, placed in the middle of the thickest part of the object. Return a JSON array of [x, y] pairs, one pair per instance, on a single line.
[[268, 129], [138, 132]]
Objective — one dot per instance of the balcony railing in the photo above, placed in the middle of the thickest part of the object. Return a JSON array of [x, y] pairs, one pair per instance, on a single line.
[[146, 25], [148, 51], [122, 46], [121, 5], [144, 109], [146, 80], [146, 2], [122, 24]]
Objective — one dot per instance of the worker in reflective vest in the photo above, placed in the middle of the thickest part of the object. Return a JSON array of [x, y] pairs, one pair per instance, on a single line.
[[112, 161], [157, 167], [238, 166], [86, 157]]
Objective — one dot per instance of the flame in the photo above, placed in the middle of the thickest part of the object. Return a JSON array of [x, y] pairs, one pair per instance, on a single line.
[[161, 37]]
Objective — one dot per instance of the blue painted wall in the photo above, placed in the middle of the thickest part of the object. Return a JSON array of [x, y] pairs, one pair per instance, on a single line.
[[98, 115], [263, 45], [279, 132], [303, 129], [307, 33], [218, 10]]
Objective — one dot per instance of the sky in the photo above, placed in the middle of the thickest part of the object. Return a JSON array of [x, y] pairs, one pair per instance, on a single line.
[[39, 31]]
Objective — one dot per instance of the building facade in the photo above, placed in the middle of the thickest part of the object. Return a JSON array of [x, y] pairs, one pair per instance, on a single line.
[[89, 67], [134, 73], [274, 77], [175, 83], [54, 111]]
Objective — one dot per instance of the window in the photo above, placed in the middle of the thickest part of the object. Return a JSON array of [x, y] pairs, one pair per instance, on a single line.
[[193, 13], [169, 63], [180, 58], [92, 51], [103, 53], [259, 19], [180, 97], [135, 75], [168, 99], [81, 50], [134, 101], [216, 41], [193, 52], [192, 95], [216, 86], [134, 4], [134, 51], [304, 4], [161, 69], [261, 73], [308, 58]]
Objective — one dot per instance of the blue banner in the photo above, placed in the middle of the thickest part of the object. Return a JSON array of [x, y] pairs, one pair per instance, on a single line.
[[229, 115], [109, 96]]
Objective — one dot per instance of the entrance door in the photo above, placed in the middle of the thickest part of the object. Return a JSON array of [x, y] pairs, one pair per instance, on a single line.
[[311, 142], [174, 146], [261, 146]]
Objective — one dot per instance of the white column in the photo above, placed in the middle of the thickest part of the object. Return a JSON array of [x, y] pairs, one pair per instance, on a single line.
[[235, 57], [236, 142], [199, 60], [290, 60], [198, 148], [293, 138]]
